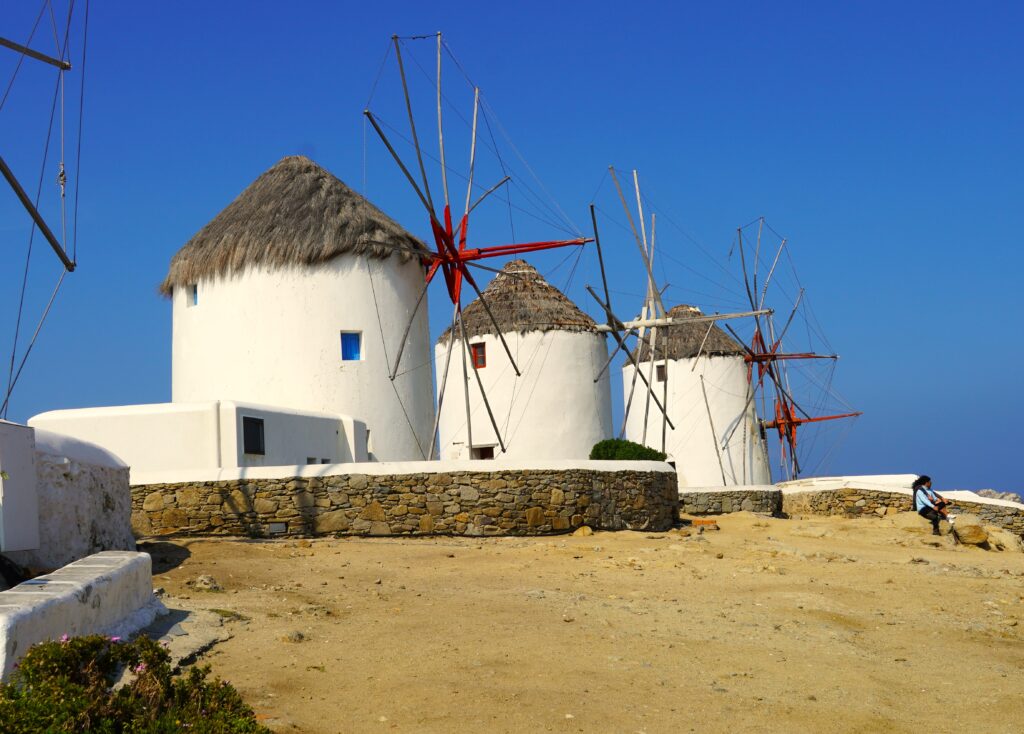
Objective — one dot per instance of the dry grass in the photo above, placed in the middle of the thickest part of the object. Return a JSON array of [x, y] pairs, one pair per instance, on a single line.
[[296, 213], [521, 300]]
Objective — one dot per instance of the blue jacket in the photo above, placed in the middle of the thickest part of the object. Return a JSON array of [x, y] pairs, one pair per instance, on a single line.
[[925, 497]]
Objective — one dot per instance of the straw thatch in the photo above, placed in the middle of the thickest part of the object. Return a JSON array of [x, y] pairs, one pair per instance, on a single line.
[[296, 213], [521, 300], [683, 341]]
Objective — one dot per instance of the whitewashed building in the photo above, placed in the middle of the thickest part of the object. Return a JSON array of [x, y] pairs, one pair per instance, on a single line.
[[716, 440], [554, 409], [287, 308]]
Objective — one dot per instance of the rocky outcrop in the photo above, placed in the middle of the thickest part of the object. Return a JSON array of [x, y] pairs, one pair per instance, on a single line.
[[969, 530], [503, 502]]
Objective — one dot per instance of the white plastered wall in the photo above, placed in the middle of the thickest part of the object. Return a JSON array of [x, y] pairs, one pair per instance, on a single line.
[[73, 499], [179, 437], [691, 444], [554, 410], [273, 337]]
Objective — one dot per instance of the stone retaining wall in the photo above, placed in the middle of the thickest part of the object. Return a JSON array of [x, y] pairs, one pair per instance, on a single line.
[[717, 502], [501, 502], [857, 502]]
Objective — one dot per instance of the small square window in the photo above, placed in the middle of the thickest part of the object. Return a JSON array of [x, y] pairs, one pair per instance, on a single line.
[[311, 460], [325, 461], [193, 295], [252, 436], [661, 372], [351, 346], [479, 354], [482, 452]]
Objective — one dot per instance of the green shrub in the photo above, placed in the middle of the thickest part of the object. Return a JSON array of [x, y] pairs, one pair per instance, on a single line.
[[617, 449], [68, 686]]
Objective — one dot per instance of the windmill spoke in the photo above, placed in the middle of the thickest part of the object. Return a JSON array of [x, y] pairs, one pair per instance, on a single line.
[[615, 334], [440, 128], [465, 387], [408, 327], [618, 348], [757, 249], [494, 321], [412, 122], [472, 148], [789, 321], [384, 138], [600, 261], [444, 381], [479, 384], [637, 372], [490, 191], [711, 425], [650, 381], [764, 288]]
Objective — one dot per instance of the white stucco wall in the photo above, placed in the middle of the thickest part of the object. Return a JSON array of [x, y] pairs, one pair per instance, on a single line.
[[691, 444], [554, 410], [273, 337], [183, 436], [73, 498], [84, 503], [105, 593]]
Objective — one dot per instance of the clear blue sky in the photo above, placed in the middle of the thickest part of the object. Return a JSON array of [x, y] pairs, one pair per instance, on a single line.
[[883, 139]]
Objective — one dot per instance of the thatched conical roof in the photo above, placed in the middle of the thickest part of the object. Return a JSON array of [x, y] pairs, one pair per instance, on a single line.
[[296, 213], [521, 300], [683, 341]]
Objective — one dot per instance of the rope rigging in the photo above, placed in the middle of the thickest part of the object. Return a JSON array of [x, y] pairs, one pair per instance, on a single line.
[[32, 204]]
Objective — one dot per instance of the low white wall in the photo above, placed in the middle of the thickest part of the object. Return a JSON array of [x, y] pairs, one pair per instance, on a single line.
[[84, 503], [186, 436], [391, 467], [94, 595], [896, 483]]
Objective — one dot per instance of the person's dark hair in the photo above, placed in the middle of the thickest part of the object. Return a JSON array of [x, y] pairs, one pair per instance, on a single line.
[[921, 481]]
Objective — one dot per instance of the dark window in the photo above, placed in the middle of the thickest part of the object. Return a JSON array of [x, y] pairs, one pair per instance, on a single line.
[[660, 369], [252, 436], [483, 452], [479, 354]]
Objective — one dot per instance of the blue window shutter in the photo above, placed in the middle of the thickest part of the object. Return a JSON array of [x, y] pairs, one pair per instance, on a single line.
[[351, 346]]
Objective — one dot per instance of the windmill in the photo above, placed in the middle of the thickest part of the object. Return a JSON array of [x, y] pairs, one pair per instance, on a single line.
[[33, 62], [667, 374], [453, 256], [766, 357]]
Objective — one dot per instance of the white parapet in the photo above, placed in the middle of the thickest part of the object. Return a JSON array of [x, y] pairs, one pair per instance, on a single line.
[[105, 593]]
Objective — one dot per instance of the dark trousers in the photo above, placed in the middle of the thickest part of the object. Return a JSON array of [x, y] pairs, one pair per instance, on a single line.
[[932, 515]]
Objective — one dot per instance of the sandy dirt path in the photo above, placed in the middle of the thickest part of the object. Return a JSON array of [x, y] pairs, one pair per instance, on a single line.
[[764, 626]]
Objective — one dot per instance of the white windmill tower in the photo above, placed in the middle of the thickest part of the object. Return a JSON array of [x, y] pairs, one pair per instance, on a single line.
[[692, 379], [702, 373], [552, 409], [295, 296]]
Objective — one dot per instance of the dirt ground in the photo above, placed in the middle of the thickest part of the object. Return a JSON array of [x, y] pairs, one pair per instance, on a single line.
[[767, 625]]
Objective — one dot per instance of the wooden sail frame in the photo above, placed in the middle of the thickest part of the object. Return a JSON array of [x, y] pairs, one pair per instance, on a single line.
[[452, 256]]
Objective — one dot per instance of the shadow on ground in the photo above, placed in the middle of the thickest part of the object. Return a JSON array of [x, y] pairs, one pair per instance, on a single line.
[[165, 555]]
